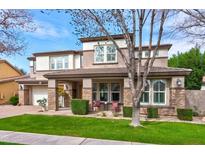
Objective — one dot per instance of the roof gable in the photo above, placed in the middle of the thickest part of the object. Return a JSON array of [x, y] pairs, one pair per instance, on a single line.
[[7, 70]]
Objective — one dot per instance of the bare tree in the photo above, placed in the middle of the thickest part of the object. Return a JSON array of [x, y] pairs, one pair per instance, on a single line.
[[12, 23], [191, 25], [131, 24]]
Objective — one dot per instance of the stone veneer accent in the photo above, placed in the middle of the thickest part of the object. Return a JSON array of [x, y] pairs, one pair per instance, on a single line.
[[52, 99], [127, 99], [87, 95], [177, 97], [177, 100], [24, 97]]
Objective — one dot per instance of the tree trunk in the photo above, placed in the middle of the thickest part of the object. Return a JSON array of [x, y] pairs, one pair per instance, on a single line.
[[135, 117]]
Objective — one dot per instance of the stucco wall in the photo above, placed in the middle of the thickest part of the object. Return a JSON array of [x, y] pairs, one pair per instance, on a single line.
[[42, 63], [7, 90], [7, 71], [89, 45], [88, 60], [195, 99]]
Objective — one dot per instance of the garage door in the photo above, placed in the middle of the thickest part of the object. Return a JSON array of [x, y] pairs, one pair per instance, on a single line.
[[39, 92]]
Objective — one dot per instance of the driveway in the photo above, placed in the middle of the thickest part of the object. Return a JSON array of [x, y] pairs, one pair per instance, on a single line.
[[10, 110]]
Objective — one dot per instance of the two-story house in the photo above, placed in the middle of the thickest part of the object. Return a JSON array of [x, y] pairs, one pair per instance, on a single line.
[[98, 72]]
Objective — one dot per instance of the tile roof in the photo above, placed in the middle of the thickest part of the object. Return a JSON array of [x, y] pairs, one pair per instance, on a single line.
[[13, 78], [114, 72]]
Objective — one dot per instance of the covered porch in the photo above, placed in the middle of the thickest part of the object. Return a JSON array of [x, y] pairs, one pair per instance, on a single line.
[[101, 93]]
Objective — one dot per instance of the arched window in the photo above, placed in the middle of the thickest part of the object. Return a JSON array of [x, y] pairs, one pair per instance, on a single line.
[[145, 96], [159, 91]]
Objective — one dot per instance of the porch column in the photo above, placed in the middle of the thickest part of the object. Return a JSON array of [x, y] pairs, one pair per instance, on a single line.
[[127, 95], [68, 90], [177, 92], [52, 95], [23, 94], [87, 90]]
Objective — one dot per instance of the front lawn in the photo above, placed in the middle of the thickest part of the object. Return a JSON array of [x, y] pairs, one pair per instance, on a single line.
[[153, 132], [8, 143]]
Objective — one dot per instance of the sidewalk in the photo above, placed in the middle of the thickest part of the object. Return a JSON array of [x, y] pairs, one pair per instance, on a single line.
[[42, 139]]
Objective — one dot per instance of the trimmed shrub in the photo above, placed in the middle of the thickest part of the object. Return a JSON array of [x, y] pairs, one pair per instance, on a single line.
[[195, 114], [185, 114], [152, 113], [80, 106], [14, 100], [127, 111]]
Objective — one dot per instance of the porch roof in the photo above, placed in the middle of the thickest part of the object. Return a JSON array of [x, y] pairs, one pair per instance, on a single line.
[[30, 80], [114, 72]]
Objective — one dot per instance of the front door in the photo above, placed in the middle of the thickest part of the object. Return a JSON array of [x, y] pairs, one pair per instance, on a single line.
[[61, 101]]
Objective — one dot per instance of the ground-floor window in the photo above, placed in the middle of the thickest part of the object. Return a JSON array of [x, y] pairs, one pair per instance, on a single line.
[[106, 92], [154, 93]]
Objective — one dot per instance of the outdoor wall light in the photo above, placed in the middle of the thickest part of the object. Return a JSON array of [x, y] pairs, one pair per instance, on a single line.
[[179, 82]]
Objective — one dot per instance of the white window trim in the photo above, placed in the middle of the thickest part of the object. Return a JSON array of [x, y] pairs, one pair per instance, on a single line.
[[151, 94], [109, 91], [143, 103], [55, 62], [105, 55], [165, 94]]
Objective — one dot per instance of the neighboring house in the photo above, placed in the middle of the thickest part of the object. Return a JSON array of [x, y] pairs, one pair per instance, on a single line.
[[8, 86], [97, 72]]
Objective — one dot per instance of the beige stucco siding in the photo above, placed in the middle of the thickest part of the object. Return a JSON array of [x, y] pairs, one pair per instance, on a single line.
[[88, 61], [42, 63], [89, 45]]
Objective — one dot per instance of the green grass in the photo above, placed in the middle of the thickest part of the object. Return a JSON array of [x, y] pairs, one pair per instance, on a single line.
[[152, 132], [8, 143]]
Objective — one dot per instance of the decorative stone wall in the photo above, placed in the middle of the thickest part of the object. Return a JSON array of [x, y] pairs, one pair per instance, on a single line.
[[165, 111], [195, 99]]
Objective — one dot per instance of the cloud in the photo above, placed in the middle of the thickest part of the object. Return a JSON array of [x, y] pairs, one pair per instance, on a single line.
[[45, 30]]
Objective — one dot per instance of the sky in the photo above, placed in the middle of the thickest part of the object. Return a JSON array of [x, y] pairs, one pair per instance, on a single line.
[[54, 32]]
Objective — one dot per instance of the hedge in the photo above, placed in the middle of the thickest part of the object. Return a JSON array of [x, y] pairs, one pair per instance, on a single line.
[[79, 106], [14, 100], [127, 111], [152, 112], [185, 114]]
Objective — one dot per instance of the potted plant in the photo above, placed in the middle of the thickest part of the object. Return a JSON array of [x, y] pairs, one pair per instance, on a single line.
[[42, 104]]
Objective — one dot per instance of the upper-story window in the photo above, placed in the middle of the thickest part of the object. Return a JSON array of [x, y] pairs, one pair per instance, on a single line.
[[60, 62], [105, 54]]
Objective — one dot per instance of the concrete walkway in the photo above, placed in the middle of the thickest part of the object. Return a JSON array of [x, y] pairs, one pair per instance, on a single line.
[[42, 139]]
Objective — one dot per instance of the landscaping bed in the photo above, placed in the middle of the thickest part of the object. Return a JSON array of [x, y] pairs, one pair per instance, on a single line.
[[152, 132]]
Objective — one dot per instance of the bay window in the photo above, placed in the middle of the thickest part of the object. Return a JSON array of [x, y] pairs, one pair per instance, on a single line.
[[105, 54], [57, 63]]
